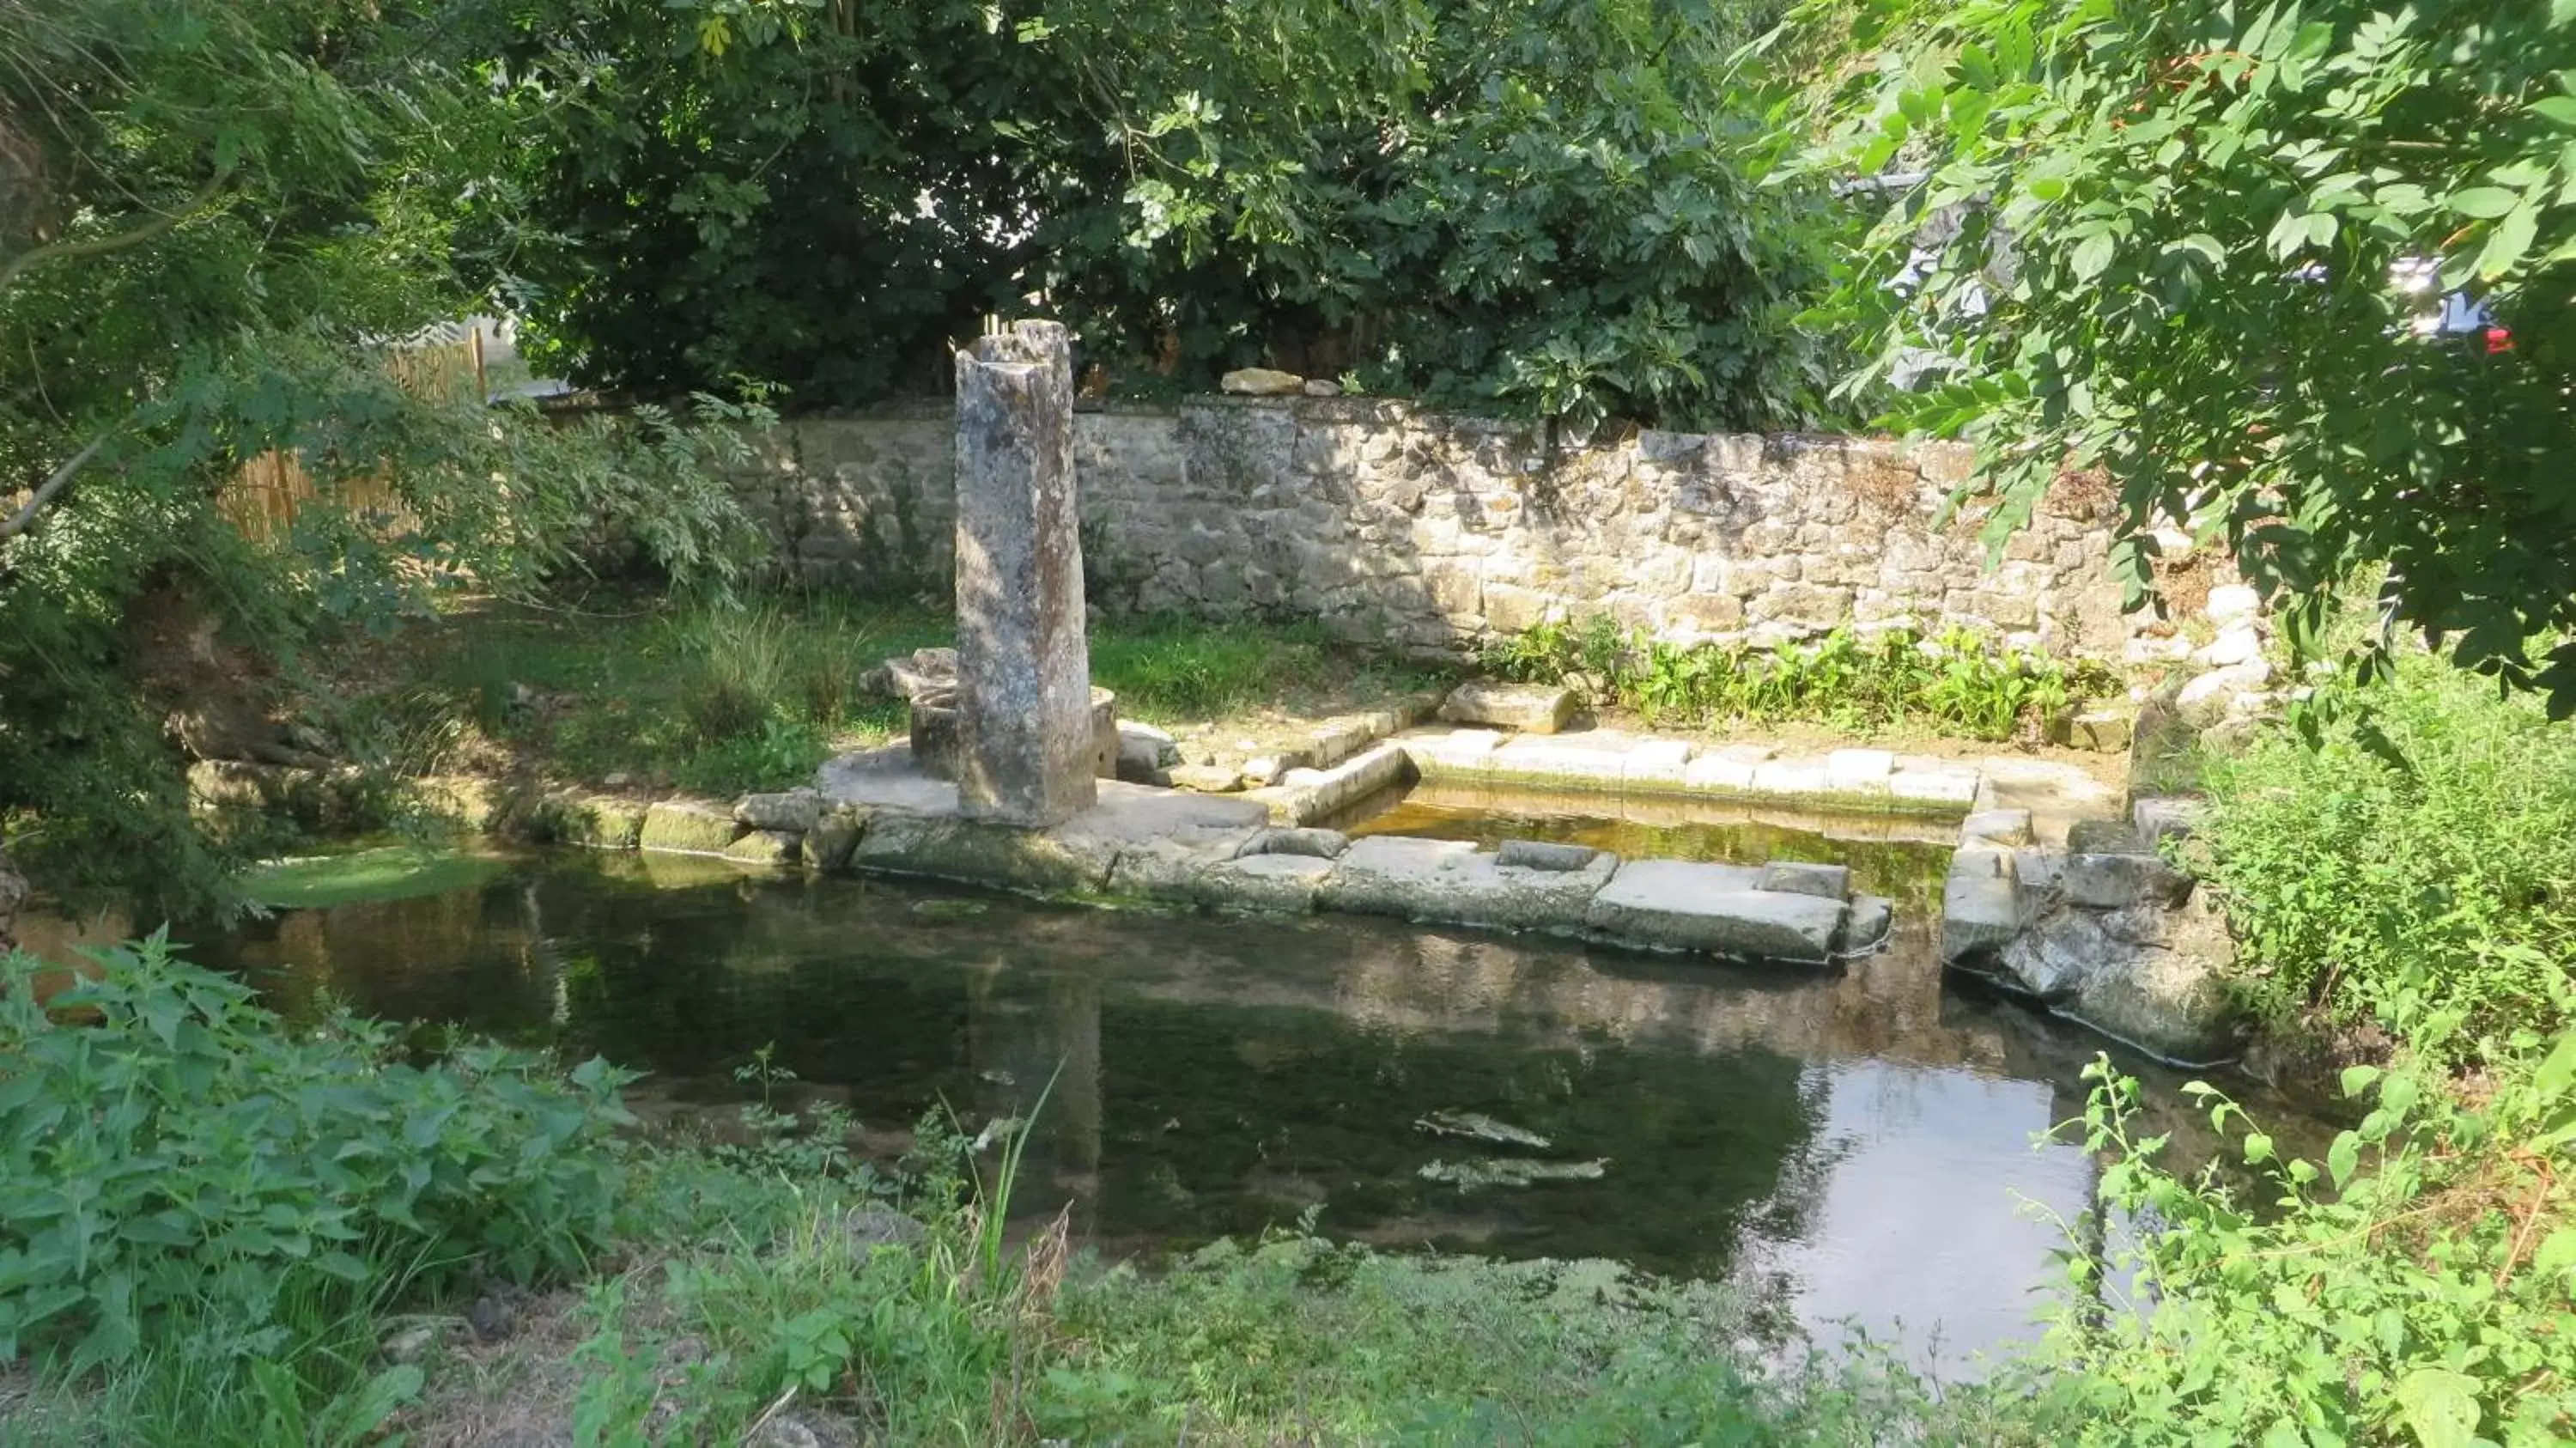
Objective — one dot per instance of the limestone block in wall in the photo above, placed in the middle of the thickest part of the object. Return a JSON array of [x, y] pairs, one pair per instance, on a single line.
[[1511, 610], [1800, 603], [1992, 607], [1703, 613]]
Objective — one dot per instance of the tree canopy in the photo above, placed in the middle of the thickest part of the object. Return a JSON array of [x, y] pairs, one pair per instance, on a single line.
[[1548, 207], [2198, 246]]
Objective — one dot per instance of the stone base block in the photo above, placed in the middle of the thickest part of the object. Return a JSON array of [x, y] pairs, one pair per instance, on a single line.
[[688, 827], [591, 821], [1451, 882], [1980, 905], [1521, 708], [793, 810], [978, 853], [1717, 909], [767, 848]]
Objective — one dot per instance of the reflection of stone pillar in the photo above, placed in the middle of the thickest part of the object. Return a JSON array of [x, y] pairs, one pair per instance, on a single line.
[[1023, 667], [1074, 1004]]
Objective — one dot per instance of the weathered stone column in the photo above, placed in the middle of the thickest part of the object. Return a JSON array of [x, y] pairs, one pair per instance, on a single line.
[[1023, 665]]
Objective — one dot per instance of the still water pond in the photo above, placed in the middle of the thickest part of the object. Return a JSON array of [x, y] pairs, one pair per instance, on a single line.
[[1857, 1147]]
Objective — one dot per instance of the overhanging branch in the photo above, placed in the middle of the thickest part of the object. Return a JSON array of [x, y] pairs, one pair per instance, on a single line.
[[25, 518], [99, 245]]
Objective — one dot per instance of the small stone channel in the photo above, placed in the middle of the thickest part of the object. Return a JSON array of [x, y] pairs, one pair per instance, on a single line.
[[1857, 1146]]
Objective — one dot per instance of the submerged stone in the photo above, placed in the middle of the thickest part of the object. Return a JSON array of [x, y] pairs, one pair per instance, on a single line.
[[1480, 1127], [1541, 855], [1468, 1176]]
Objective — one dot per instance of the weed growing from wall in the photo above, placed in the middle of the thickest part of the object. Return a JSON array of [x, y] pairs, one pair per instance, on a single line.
[[1959, 682]]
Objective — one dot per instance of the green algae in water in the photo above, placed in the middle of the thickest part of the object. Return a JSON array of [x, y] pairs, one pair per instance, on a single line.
[[390, 872]]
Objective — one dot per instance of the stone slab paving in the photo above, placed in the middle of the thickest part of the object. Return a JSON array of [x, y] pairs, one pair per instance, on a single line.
[[1451, 882], [1609, 761], [1223, 851], [1718, 909]]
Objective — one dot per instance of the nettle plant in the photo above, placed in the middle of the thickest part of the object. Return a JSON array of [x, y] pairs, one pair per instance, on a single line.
[[175, 1160], [2418, 1286]]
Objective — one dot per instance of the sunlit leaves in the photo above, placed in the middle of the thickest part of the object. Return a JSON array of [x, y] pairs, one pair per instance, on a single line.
[[2313, 181]]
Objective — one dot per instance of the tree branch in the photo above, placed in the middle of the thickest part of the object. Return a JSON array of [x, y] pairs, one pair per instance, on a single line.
[[98, 245], [25, 518]]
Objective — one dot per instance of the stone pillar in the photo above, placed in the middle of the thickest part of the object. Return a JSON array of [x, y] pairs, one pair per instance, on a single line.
[[1023, 665]]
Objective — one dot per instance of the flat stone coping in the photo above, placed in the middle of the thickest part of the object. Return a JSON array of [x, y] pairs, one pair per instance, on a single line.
[[1615, 762], [877, 812]]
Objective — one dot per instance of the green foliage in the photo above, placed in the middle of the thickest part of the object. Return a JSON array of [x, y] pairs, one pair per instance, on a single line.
[[213, 219], [2184, 243], [1339, 1344], [1959, 682], [1175, 668], [387, 872], [172, 1153], [2414, 1288], [2423, 849], [1558, 208]]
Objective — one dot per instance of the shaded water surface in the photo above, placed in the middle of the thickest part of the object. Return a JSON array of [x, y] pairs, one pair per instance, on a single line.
[[1852, 1146]]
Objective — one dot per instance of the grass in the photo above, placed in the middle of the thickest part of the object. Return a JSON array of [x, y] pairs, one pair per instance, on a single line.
[[723, 699]]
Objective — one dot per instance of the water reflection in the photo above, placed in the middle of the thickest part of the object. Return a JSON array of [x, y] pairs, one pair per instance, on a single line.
[[1848, 1146]]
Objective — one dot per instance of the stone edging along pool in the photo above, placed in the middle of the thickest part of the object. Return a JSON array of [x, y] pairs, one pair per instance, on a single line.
[[875, 812]]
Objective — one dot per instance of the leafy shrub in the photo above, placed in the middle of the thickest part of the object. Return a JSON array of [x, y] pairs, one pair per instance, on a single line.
[[2424, 847], [168, 1148], [1557, 208], [2415, 1288], [1959, 682]]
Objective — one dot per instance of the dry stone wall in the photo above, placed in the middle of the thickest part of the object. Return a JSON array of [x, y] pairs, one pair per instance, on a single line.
[[1432, 533]]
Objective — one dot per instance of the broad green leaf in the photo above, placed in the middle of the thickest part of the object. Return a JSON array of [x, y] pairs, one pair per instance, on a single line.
[[2093, 254], [2357, 1079], [2343, 1158], [2557, 1071], [2483, 203], [2440, 1407], [2511, 239]]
